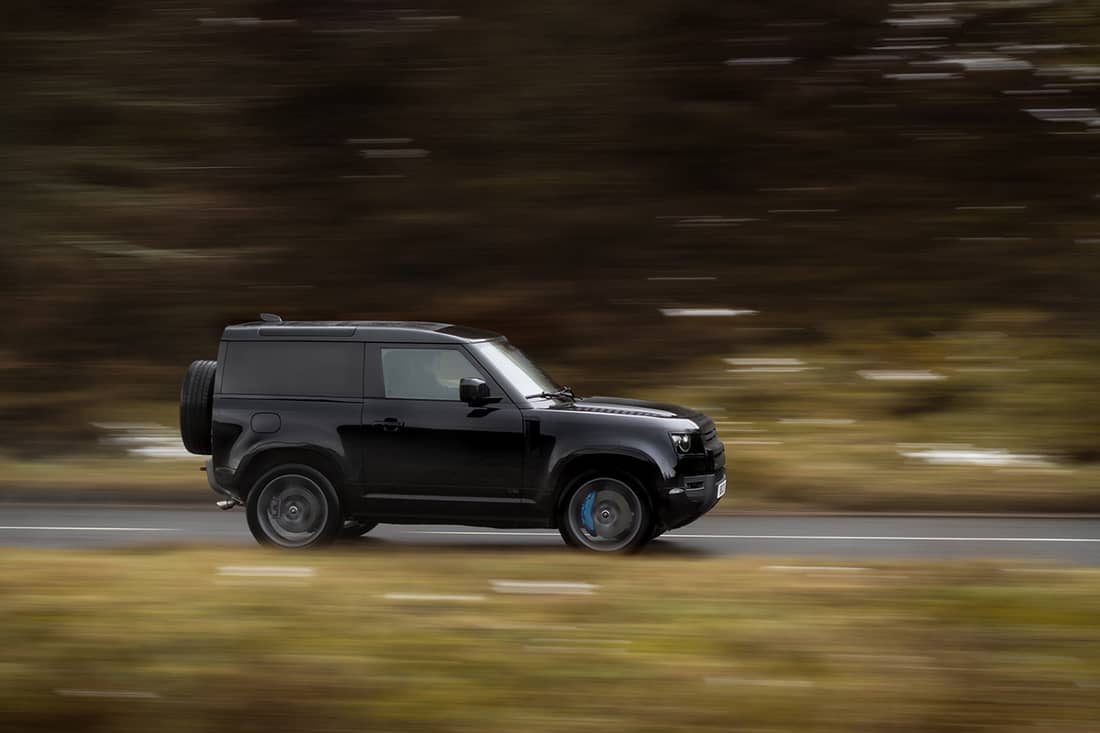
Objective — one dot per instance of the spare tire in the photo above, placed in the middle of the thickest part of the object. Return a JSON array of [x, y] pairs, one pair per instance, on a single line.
[[197, 406]]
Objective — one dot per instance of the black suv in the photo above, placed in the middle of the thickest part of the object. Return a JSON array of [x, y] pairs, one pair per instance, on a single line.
[[328, 428]]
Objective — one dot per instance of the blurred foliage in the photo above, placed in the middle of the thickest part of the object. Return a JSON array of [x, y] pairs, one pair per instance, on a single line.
[[181, 641], [529, 167]]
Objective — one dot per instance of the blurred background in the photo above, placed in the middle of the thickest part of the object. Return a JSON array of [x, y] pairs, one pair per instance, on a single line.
[[862, 235]]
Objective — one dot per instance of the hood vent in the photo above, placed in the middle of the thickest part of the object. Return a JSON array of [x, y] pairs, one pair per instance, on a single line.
[[617, 411]]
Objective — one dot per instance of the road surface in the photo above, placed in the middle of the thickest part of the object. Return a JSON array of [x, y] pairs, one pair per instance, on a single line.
[[1069, 540]]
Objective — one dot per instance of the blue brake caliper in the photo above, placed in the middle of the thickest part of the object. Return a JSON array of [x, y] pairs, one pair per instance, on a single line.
[[586, 513]]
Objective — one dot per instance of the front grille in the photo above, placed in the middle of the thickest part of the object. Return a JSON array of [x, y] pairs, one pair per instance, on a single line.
[[716, 451], [718, 457]]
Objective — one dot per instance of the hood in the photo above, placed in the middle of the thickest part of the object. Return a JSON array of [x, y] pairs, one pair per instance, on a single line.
[[622, 406]]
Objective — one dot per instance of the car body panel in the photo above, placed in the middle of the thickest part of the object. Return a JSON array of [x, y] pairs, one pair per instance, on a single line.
[[505, 463]]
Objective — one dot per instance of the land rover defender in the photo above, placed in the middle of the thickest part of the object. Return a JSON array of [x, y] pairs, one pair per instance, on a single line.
[[322, 429]]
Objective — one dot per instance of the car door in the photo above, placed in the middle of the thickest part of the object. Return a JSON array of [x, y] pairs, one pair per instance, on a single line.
[[429, 455]]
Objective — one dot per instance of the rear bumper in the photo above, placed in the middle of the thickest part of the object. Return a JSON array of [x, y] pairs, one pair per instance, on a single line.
[[217, 486], [686, 498]]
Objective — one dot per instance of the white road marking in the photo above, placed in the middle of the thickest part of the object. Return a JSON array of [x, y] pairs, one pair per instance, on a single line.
[[875, 538], [543, 588], [866, 538], [429, 597], [86, 529], [267, 571]]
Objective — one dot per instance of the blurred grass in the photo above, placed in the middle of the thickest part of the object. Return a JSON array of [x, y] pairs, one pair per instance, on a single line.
[[160, 640], [824, 436]]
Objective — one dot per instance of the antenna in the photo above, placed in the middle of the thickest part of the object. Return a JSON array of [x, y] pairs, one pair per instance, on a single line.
[[270, 318]]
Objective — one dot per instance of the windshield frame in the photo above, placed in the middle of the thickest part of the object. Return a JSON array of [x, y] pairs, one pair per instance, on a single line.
[[500, 355]]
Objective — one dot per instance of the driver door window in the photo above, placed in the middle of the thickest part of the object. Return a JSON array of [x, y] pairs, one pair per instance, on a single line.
[[425, 374]]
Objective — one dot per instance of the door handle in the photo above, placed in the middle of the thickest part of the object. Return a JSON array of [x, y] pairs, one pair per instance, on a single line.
[[390, 424]]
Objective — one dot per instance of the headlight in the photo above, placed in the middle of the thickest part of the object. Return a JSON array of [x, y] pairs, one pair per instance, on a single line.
[[682, 442]]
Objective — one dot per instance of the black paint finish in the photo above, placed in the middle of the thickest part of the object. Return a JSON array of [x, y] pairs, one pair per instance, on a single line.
[[504, 462]]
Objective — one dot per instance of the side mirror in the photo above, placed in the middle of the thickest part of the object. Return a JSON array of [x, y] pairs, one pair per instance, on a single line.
[[473, 391]]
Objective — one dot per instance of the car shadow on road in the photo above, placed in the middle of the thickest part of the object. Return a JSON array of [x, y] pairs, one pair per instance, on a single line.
[[669, 547]]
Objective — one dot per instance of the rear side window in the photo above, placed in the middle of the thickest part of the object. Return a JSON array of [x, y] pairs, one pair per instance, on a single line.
[[425, 374], [298, 369]]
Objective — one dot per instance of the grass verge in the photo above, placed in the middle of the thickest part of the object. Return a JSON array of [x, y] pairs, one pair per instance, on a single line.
[[415, 641]]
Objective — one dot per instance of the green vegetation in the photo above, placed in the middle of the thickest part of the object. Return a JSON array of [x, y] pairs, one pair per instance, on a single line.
[[176, 641]]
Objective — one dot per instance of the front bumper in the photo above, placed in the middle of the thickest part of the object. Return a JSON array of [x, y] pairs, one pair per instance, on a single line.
[[686, 498]]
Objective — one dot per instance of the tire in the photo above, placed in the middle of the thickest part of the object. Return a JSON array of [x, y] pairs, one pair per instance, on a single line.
[[606, 513], [293, 507], [197, 406], [354, 528]]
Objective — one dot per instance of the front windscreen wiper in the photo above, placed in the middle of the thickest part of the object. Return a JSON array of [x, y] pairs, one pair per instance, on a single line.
[[565, 393]]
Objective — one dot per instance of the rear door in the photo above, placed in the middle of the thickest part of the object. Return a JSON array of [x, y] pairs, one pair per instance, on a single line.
[[429, 455]]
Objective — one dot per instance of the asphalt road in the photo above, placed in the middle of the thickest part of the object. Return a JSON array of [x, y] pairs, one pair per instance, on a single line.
[[1069, 540]]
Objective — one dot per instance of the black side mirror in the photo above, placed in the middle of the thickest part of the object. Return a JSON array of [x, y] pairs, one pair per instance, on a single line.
[[473, 391]]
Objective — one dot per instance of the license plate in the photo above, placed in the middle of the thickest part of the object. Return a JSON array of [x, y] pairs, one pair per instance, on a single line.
[[721, 488]]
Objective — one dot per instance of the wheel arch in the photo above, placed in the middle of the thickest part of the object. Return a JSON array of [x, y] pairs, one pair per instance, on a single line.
[[255, 465], [634, 464]]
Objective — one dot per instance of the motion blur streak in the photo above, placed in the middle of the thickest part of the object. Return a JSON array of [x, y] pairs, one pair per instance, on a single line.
[[861, 234]]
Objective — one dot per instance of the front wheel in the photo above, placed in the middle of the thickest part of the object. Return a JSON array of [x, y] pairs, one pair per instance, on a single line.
[[293, 507], [606, 514]]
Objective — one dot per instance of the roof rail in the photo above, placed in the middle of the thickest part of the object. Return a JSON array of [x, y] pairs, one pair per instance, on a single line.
[[270, 318]]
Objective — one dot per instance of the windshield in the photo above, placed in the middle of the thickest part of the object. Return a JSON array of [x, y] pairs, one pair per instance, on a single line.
[[515, 367]]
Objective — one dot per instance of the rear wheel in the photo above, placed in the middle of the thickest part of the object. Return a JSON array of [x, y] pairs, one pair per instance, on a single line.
[[606, 514], [293, 506]]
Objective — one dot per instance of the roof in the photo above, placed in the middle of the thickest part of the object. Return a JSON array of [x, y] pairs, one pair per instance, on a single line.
[[393, 331]]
